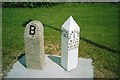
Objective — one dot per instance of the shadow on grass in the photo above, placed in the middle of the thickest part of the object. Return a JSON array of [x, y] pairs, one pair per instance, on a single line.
[[99, 46], [88, 41], [25, 23], [82, 38]]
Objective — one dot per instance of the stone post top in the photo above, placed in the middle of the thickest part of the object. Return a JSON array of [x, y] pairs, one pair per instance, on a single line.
[[70, 24], [33, 28]]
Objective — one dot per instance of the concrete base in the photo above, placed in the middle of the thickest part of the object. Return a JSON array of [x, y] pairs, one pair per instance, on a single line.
[[52, 69]]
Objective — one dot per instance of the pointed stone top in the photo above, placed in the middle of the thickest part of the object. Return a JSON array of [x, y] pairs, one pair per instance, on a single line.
[[70, 24], [71, 17]]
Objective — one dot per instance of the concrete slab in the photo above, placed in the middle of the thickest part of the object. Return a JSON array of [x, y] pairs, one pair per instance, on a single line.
[[52, 69]]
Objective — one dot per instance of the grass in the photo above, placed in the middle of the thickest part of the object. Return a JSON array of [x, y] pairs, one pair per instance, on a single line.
[[98, 23]]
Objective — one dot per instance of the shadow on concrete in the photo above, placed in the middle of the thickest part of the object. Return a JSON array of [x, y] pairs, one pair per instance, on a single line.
[[22, 59], [88, 41], [55, 59]]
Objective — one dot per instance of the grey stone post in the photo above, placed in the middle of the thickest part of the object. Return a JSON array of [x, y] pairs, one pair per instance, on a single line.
[[34, 45]]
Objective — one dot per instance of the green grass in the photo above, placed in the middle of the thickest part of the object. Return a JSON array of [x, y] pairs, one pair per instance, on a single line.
[[98, 22]]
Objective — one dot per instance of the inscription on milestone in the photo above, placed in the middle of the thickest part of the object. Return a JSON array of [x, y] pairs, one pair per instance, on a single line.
[[73, 39], [65, 33]]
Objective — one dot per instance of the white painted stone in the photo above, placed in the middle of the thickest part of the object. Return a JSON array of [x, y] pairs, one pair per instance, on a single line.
[[34, 45], [69, 44]]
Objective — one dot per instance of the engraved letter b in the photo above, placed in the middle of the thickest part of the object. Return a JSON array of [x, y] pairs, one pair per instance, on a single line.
[[32, 30]]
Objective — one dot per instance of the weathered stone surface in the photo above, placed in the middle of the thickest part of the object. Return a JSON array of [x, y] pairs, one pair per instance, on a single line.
[[34, 45], [69, 44]]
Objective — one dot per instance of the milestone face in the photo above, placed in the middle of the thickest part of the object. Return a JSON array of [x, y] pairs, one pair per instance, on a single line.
[[73, 42], [73, 38]]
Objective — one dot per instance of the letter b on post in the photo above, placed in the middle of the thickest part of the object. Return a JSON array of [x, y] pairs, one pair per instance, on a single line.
[[32, 30]]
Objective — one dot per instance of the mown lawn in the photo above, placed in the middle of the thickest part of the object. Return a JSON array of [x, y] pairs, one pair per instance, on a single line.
[[98, 23]]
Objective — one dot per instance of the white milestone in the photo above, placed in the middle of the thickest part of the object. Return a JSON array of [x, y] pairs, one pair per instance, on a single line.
[[70, 44]]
